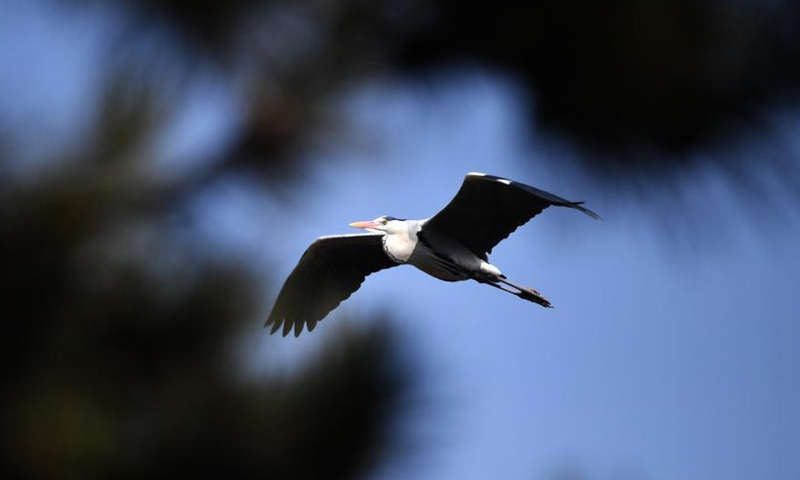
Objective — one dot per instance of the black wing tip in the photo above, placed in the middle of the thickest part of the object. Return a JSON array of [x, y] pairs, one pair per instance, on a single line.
[[555, 200], [288, 327], [579, 206], [277, 323]]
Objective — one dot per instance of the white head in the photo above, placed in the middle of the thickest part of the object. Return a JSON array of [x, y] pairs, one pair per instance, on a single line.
[[383, 224]]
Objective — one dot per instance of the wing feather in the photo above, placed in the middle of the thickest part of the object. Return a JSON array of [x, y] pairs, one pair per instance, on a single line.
[[487, 209], [330, 270]]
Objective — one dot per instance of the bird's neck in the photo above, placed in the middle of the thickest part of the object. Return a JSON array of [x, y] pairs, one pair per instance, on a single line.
[[400, 244]]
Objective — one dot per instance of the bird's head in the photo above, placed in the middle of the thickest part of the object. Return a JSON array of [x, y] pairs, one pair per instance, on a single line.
[[383, 224]]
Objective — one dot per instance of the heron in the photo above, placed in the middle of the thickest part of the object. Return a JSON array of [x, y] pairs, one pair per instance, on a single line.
[[452, 245]]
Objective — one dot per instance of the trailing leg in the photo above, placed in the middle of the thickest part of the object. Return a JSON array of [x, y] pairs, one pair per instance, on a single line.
[[523, 292]]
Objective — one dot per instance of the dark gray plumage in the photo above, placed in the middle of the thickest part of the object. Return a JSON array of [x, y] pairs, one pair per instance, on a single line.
[[330, 270], [495, 207], [453, 245]]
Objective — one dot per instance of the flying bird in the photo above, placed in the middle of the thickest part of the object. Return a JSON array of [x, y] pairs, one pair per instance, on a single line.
[[453, 245]]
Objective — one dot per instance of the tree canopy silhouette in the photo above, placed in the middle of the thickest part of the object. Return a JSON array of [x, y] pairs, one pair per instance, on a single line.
[[120, 337]]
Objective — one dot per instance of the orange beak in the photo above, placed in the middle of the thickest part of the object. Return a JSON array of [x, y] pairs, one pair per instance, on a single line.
[[369, 224]]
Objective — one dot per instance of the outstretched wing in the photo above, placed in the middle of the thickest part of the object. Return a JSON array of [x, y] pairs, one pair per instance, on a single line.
[[487, 209], [330, 270]]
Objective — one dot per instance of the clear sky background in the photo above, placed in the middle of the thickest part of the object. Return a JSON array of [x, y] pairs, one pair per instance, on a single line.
[[671, 352]]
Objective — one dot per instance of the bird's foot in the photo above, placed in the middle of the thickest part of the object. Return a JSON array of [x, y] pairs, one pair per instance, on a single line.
[[532, 295]]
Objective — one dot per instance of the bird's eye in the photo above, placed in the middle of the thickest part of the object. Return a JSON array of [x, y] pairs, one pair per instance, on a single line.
[[384, 221]]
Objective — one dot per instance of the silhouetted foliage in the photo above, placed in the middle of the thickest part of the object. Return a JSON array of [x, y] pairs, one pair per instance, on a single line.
[[633, 85], [627, 74], [119, 337]]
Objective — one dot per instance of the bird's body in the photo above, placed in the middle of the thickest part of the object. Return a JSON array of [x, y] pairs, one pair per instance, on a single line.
[[453, 245], [404, 244], [446, 259]]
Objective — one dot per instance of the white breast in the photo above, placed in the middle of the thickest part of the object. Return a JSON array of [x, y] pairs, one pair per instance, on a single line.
[[400, 245]]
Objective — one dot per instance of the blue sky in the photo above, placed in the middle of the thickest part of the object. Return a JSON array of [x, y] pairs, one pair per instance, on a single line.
[[672, 350]]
